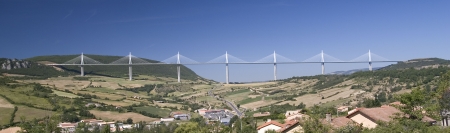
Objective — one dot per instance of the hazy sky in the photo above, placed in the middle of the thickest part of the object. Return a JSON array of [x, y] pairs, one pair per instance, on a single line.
[[250, 30]]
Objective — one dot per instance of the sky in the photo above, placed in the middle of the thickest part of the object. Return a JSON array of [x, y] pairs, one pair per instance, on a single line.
[[250, 30]]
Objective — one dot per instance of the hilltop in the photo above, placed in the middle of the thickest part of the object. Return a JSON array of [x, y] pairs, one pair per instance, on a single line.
[[35, 66], [418, 64]]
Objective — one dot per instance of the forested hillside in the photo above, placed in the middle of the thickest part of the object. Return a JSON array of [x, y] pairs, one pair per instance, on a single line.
[[418, 63], [36, 69]]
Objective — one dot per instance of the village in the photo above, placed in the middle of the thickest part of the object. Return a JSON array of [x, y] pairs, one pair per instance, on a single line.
[[366, 117]]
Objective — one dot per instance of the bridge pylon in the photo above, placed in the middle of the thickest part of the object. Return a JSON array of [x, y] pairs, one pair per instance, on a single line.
[[130, 69], [178, 67], [370, 61], [82, 65], [226, 68], [274, 66], [323, 63]]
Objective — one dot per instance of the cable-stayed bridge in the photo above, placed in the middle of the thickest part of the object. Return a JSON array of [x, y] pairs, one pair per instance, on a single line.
[[226, 59]]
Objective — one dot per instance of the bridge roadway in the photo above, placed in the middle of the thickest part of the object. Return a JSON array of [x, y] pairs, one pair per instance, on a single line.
[[162, 63]]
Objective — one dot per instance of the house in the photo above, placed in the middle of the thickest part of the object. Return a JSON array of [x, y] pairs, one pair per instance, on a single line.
[[369, 116], [202, 111], [288, 127], [182, 116], [167, 119], [296, 114], [67, 127], [91, 121], [337, 122], [225, 121]]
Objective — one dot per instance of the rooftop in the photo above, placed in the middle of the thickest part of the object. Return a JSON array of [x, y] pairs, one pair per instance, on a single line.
[[382, 113]]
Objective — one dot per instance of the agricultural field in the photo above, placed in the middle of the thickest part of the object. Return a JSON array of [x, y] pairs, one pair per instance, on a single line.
[[154, 110], [31, 113], [10, 130], [17, 97], [116, 103], [5, 115], [5, 104], [168, 105], [65, 94], [116, 116]]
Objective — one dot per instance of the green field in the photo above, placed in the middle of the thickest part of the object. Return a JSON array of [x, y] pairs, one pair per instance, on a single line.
[[65, 94], [101, 89], [250, 100], [239, 96], [17, 97], [154, 110], [31, 113], [5, 115], [238, 91]]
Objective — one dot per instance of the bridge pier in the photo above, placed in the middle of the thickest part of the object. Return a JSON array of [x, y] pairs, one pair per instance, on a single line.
[[130, 69], [130, 73], [274, 71], [226, 72], [82, 65], [323, 64], [370, 61], [226, 68], [323, 68], [274, 66], [178, 72], [82, 70], [178, 67]]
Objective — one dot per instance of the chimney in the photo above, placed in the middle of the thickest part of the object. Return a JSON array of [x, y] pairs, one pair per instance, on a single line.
[[328, 117], [268, 120]]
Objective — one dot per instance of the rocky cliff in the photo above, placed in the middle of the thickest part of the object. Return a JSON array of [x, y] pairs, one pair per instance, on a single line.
[[8, 64]]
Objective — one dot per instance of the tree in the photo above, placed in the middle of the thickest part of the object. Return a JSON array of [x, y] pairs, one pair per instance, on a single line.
[[106, 129], [414, 103], [130, 121], [313, 125], [190, 127]]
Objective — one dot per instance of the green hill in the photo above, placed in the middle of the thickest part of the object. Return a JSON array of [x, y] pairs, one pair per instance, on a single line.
[[418, 63], [36, 69]]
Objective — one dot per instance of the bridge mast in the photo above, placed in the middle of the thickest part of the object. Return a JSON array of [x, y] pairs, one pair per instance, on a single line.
[[370, 61], [178, 67], [274, 65], [226, 67], [82, 65], [323, 64], [130, 72]]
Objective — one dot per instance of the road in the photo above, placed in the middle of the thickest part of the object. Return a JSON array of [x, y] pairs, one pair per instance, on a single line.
[[230, 104]]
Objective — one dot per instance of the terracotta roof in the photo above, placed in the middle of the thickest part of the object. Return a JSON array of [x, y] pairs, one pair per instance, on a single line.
[[272, 122], [340, 121], [284, 127], [383, 113], [288, 125], [63, 125], [428, 119]]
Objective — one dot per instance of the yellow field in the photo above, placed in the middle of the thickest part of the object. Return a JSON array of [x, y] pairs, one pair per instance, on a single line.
[[5, 104], [10, 130], [312, 99]]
